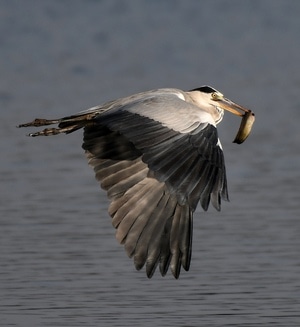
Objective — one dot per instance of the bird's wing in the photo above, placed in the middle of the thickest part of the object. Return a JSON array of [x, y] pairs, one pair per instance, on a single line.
[[179, 142], [156, 159]]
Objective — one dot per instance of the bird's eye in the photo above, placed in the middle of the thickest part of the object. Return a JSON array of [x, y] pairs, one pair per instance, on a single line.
[[217, 96]]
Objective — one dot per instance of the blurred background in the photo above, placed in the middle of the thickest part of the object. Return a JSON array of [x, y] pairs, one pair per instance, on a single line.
[[60, 262]]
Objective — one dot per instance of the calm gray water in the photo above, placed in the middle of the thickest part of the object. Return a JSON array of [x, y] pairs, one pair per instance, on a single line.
[[60, 263]]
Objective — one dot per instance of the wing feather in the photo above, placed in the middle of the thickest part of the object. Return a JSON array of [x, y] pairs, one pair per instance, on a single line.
[[141, 206]]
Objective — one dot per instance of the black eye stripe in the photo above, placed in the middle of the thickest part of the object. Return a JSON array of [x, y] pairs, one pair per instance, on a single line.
[[205, 89]]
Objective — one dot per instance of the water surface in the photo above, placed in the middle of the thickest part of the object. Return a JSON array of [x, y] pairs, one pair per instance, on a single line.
[[60, 262]]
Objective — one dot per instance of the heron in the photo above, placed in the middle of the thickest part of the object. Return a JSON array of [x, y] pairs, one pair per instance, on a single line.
[[157, 155]]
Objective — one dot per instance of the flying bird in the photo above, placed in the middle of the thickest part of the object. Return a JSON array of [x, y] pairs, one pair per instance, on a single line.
[[157, 155]]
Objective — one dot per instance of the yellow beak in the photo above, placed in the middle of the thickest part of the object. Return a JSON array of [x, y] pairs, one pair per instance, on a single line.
[[232, 107]]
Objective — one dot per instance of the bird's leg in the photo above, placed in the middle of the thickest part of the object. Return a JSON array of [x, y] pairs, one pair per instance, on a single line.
[[53, 131], [40, 122], [65, 125], [44, 122]]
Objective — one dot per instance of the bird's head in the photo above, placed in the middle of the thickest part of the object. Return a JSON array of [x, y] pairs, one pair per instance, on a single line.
[[214, 102]]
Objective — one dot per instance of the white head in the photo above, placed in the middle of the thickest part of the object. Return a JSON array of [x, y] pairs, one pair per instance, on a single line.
[[214, 102]]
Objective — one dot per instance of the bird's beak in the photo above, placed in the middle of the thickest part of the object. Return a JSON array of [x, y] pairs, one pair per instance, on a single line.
[[248, 118], [232, 107]]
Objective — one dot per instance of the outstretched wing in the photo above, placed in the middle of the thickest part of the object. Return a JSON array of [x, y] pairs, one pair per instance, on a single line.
[[157, 158]]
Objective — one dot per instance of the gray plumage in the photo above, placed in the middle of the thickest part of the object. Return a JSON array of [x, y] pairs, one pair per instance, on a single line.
[[156, 154]]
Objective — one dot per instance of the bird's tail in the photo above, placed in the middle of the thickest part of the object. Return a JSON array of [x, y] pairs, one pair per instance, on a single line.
[[65, 125]]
